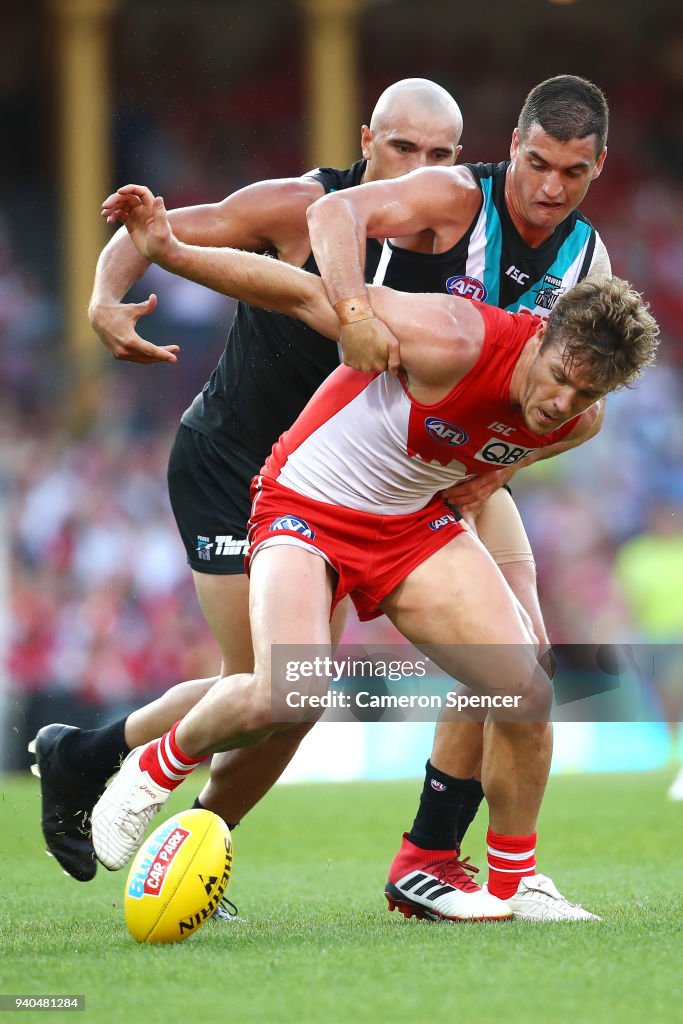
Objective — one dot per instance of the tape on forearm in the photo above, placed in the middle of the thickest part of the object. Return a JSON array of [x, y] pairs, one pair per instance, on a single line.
[[350, 311]]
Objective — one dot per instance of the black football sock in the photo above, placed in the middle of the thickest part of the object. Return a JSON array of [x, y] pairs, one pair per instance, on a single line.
[[97, 753], [474, 795], [436, 823], [199, 806]]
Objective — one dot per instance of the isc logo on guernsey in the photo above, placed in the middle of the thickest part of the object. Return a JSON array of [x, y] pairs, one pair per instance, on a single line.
[[467, 287], [445, 432]]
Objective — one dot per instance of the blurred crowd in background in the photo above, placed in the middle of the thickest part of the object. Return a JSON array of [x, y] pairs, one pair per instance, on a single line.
[[103, 612]]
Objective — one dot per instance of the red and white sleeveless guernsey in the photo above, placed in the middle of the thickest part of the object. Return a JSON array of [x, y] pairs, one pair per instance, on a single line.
[[358, 476], [363, 442]]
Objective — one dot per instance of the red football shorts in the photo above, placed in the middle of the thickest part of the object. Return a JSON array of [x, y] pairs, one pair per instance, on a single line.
[[371, 554]]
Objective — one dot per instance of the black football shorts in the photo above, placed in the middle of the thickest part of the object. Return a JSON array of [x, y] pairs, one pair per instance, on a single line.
[[209, 487]]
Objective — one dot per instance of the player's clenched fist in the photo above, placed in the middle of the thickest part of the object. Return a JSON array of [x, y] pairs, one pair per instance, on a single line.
[[369, 346]]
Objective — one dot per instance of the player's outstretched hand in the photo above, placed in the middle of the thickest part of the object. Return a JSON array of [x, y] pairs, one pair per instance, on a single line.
[[369, 345], [116, 327], [145, 219]]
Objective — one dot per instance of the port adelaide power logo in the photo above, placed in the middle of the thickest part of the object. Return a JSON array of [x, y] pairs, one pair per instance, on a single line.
[[549, 292]]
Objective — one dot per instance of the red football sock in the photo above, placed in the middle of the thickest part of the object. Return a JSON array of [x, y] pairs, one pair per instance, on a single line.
[[165, 762], [510, 858]]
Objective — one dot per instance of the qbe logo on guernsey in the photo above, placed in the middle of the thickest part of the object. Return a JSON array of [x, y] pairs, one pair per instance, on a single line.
[[497, 452]]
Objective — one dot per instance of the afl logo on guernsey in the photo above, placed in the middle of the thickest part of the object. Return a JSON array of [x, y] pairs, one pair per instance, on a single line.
[[294, 525], [444, 432], [467, 287]]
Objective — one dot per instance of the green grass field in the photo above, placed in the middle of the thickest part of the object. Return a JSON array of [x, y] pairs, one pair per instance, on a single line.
[[316, 944]]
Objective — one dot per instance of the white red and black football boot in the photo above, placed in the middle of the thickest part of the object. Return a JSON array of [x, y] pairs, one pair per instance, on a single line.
[[437, 885]]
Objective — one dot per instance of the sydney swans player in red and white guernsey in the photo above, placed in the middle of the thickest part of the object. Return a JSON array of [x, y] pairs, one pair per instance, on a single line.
[[388, 445], [350, 501], [422, 435]]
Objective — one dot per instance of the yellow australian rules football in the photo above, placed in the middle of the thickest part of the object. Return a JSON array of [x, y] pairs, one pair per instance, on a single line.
[[178, 877]]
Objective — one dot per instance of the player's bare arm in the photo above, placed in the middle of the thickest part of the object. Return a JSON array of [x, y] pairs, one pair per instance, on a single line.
[[249, 277], [438, 202], [440, 338], [441, 334], [269, 217]]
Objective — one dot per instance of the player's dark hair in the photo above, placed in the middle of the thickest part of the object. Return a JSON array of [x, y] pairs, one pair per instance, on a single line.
[[604, 325], [566, 107]]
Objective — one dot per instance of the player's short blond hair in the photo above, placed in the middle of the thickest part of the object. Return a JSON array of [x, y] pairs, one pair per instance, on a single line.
[[606, 327]]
